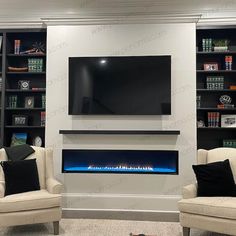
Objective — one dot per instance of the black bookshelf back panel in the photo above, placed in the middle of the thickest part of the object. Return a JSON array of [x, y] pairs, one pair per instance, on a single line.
[[217, 34], [22, 62], [211, 100], [31, 134], [208, 139], [35, 81], [27, 39], [229, 79], [34, 118]]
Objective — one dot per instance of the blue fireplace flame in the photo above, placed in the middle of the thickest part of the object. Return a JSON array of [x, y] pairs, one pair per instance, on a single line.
[[120, 161]]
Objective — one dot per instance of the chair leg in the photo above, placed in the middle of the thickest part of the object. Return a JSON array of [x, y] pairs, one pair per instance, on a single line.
[[56, 227], [186, 231]]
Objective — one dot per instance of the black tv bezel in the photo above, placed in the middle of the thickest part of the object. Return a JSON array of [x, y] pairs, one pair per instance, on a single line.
[[113, 115]]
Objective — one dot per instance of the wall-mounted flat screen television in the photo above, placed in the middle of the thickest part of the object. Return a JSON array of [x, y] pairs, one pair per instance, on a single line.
[[120, 85]]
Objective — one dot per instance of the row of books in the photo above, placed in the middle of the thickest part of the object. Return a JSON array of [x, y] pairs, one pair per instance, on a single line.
[[207, 45], [225, 106], [213, 119], [215, 82], [229, 143], [35, 65], [217, 45], [13, 101]]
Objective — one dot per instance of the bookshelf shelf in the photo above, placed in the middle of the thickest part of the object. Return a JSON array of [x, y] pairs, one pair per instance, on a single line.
[[24, 127], [215, 71], [215, 109], [28, 109], [26, 73], [216, 91], [216, 128], [26, 55], [216, 53], [25, 91]]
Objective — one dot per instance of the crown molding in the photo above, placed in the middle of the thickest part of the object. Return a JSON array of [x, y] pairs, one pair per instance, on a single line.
[[119, 19], [216, 21], [21, 24]]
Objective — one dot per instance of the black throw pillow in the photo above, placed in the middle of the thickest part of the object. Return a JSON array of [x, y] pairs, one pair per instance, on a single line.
[[19, 152], [215, 179], [20, 176]]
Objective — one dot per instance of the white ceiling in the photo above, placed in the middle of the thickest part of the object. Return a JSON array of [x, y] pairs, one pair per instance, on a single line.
[[23, 10]]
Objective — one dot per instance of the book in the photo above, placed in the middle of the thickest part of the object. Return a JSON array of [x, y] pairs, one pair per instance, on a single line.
[[229, 143], [18, 139], [42, 117], [0, 43], [213, 119], [17, 46]]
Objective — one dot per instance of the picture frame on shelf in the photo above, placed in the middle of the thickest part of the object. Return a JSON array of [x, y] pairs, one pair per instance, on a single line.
[[211, 66], [228, 121], [18, 139], [24, 84], [20, 120], [29, 102]]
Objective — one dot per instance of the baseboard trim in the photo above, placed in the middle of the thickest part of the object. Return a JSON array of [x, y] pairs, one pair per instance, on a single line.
[[121, 215]]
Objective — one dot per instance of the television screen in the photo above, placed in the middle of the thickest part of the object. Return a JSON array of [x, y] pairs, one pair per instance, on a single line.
[[120, 85]]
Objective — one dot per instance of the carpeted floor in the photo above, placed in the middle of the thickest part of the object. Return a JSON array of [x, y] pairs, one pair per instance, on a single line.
[[88, 227]]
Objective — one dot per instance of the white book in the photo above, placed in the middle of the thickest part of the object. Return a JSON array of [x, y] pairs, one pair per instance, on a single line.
[[0, 43]]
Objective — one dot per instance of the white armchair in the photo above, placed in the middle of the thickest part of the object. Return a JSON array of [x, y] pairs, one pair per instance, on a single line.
[[33, 207], [215, 214]]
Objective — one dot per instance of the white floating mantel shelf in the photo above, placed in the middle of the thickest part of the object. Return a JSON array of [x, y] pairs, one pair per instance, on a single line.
[[122, 132]]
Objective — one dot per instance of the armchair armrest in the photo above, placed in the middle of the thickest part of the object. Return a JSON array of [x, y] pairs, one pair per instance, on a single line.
[[53, 186], [2, 189], [190, 191]]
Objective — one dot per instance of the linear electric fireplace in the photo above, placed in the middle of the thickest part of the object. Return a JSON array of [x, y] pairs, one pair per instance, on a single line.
[[119, 161]]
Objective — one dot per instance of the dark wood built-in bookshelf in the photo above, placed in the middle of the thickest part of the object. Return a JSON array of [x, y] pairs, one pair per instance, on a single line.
[[207, 107], [36, 93]]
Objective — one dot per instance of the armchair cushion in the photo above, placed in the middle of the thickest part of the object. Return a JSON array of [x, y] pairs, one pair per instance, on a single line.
[[219, 207], [215, 179], [34, 200], [20, 176]]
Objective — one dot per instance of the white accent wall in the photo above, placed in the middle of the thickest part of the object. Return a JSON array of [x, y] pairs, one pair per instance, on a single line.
[[123, 191]]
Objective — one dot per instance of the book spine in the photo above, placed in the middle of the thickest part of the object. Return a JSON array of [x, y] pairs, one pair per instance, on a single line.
[[217, 119], [17, 46], [203, 45], [43, 117], [209, 119]]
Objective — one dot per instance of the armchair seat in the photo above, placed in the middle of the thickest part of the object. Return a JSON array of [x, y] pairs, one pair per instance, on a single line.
[[222, 207], [34, 200]]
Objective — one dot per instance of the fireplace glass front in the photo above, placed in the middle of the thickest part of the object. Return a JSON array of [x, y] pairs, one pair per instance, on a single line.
[[119, 161]]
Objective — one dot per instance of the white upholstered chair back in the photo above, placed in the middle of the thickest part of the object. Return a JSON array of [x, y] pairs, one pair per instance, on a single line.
[[218, 154]]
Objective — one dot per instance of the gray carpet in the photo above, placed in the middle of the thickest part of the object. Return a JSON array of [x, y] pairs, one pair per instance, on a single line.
[[88, 227]]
